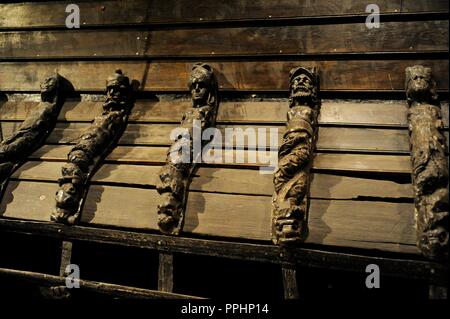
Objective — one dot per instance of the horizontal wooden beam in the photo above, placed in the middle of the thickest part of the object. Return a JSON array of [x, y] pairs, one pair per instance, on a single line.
[[132, 12], [160, 75], [391, 37], [330, 138], [225, 180], [167, 109], [360, 223], [156, 155], [304, 256], [112, 290]]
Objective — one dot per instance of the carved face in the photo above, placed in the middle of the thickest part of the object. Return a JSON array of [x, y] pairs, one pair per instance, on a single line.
[[116, 91], [301, 86], [419, 85], [201, 83], [117, 87], [199, 91], [48, 89]]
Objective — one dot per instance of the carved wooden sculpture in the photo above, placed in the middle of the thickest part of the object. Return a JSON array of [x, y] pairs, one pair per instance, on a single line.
[[33, 132], [175, 174], [291, 179], [93, 146], [429, 162]]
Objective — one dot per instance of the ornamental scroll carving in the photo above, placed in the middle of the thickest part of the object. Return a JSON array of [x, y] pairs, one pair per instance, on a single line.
[[93, 146], [291, 179], [33, 132], [174, 176], [429, 162]]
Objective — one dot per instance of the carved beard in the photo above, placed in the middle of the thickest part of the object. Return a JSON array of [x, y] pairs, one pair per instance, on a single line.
[[419, 90], [302, 94]]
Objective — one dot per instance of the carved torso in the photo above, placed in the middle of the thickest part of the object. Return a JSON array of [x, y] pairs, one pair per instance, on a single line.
[[291, 179], [93, 145], [174, 176], [429, 163]]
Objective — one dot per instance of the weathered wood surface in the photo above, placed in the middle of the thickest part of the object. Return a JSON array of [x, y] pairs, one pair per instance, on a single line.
[[344, 112], [160, 75], [102, 288], [420, 36], [330, 138], [156, 156], [226, 180], [289, 275], [33, 15], [332, 222], [406, 267], [165, 272]]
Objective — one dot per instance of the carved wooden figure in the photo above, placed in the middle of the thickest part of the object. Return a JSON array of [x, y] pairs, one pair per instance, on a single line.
[[33, 132], [93, 146], [291, 179], [429, 162], [174, 176]]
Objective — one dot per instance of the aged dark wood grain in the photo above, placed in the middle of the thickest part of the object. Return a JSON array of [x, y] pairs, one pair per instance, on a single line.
[[331, 138], [340, 75], [34, 15], [401, 266], [416, 36], [346, 223], [346, 112], [156, 156], [101, 288], [226, 180]]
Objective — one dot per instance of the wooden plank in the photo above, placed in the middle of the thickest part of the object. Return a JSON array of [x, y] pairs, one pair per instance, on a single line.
[[340, 75], [371, 224], [359, 224], [66, 257], [330, 138], [363, 163], [419, 6], [289, 275], [165, 272], [409, 267], [34, 15], [226, 180], [248, 41], [164, 109], [102, 288], [156, 156]]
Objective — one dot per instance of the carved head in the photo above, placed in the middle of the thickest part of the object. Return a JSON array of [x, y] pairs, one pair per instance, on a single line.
[[49, 88], [303, 86], [202, 84], [118, 87], [420, 86]]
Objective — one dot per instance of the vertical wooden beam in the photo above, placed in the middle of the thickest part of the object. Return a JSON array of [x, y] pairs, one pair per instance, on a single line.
[[165, 272], [66, 257], [289, 274]]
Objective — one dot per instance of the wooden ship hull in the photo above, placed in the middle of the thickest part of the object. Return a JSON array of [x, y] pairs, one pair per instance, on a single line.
[[360, 199]]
